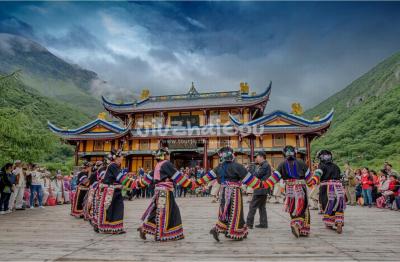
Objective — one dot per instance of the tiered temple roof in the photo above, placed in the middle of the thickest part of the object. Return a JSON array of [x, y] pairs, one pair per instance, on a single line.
[[288, 123], [191, 100], [98, 129]]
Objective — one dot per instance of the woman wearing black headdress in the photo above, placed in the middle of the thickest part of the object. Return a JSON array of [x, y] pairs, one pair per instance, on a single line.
[[331, 191], [163, 218], [231, 176], [82, 189], [297, 176], [110, 217]]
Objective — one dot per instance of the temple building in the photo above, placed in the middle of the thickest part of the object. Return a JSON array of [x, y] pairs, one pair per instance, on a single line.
[[194, 126]]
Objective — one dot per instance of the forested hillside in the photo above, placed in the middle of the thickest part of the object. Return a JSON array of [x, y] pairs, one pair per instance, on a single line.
[[366, 125]]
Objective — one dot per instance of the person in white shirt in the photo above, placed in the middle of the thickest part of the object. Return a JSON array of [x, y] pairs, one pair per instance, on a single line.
[[61, 194], [17, 196], [46, 186], [36, 187]]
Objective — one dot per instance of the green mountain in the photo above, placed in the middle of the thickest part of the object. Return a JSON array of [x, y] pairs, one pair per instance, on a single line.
[[48, 74], [366, 125], [24, 135]]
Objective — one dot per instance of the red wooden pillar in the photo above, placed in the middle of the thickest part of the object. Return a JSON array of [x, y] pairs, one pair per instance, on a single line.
[[205, 155], [76, 154], [251, 148], [308, 152]]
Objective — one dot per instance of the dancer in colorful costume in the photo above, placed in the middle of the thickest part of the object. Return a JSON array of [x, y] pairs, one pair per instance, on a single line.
[[88, 202], [163, 218], [331, 191], [81, 191], [231, 176], [297, 176], [110, 219], [97, 193]]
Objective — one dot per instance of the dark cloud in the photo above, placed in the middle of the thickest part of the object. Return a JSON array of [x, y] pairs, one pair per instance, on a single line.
[[13, 25], [309, 50]]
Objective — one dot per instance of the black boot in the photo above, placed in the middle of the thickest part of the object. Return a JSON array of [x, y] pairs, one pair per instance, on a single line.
[[295, 231], [215, 234], [142, 234]]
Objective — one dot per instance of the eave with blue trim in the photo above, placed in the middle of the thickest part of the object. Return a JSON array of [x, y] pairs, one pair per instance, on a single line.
[[295, 124], [191, 100], [85, 132]]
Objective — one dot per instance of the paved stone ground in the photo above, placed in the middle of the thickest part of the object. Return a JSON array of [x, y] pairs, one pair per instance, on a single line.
[[52, 234]]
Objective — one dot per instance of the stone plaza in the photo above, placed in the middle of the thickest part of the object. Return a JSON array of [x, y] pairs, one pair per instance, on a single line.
[[51, 234]]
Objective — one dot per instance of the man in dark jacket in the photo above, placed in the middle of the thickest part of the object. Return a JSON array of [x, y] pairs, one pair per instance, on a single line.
[[263, 171]]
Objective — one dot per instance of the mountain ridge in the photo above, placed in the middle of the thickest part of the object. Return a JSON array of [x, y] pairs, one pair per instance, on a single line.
[[50, 75]]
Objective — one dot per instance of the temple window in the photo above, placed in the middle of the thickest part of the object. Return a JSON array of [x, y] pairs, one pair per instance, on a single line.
[[139, 121], [214, 117], [98, 145], [224, 117], [278, 140], [298, 141], [224, 141], [147, 164], [158, 121], [144, 144], [147, 121], [185, 119]]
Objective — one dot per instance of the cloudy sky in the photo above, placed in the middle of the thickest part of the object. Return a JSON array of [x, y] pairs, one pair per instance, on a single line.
[[308, 50]]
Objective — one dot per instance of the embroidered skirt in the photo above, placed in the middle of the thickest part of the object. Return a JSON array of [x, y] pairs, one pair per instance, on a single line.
[[333, 203], [163, 218], [230, 215], [78, 201], [96, 205], [296, 204], [110, 217], [88, 203]]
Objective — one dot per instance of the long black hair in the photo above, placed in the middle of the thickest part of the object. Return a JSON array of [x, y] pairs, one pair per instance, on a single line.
[[5, 167]]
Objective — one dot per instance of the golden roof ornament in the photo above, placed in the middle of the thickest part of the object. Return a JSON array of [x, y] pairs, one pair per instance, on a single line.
[[102, 116], [145, 94], [244, 88], [297, 109]]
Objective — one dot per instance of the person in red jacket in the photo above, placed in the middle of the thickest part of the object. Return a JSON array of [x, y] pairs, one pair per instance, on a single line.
[[393, 190], [366, 185]]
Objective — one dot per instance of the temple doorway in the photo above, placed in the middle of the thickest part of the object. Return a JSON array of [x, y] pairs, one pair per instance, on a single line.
[[183, 159]]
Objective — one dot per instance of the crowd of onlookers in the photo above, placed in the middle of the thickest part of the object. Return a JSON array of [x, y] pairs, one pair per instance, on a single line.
[[190, 172], [367, 187], [27, 185]]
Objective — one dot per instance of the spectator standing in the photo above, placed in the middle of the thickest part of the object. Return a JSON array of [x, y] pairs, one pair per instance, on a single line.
[[46, 186], [366, 185], [5, 188], [36, 187], [18, 194], [13, 180], [350, 183], [61, 194], [375, 185]]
